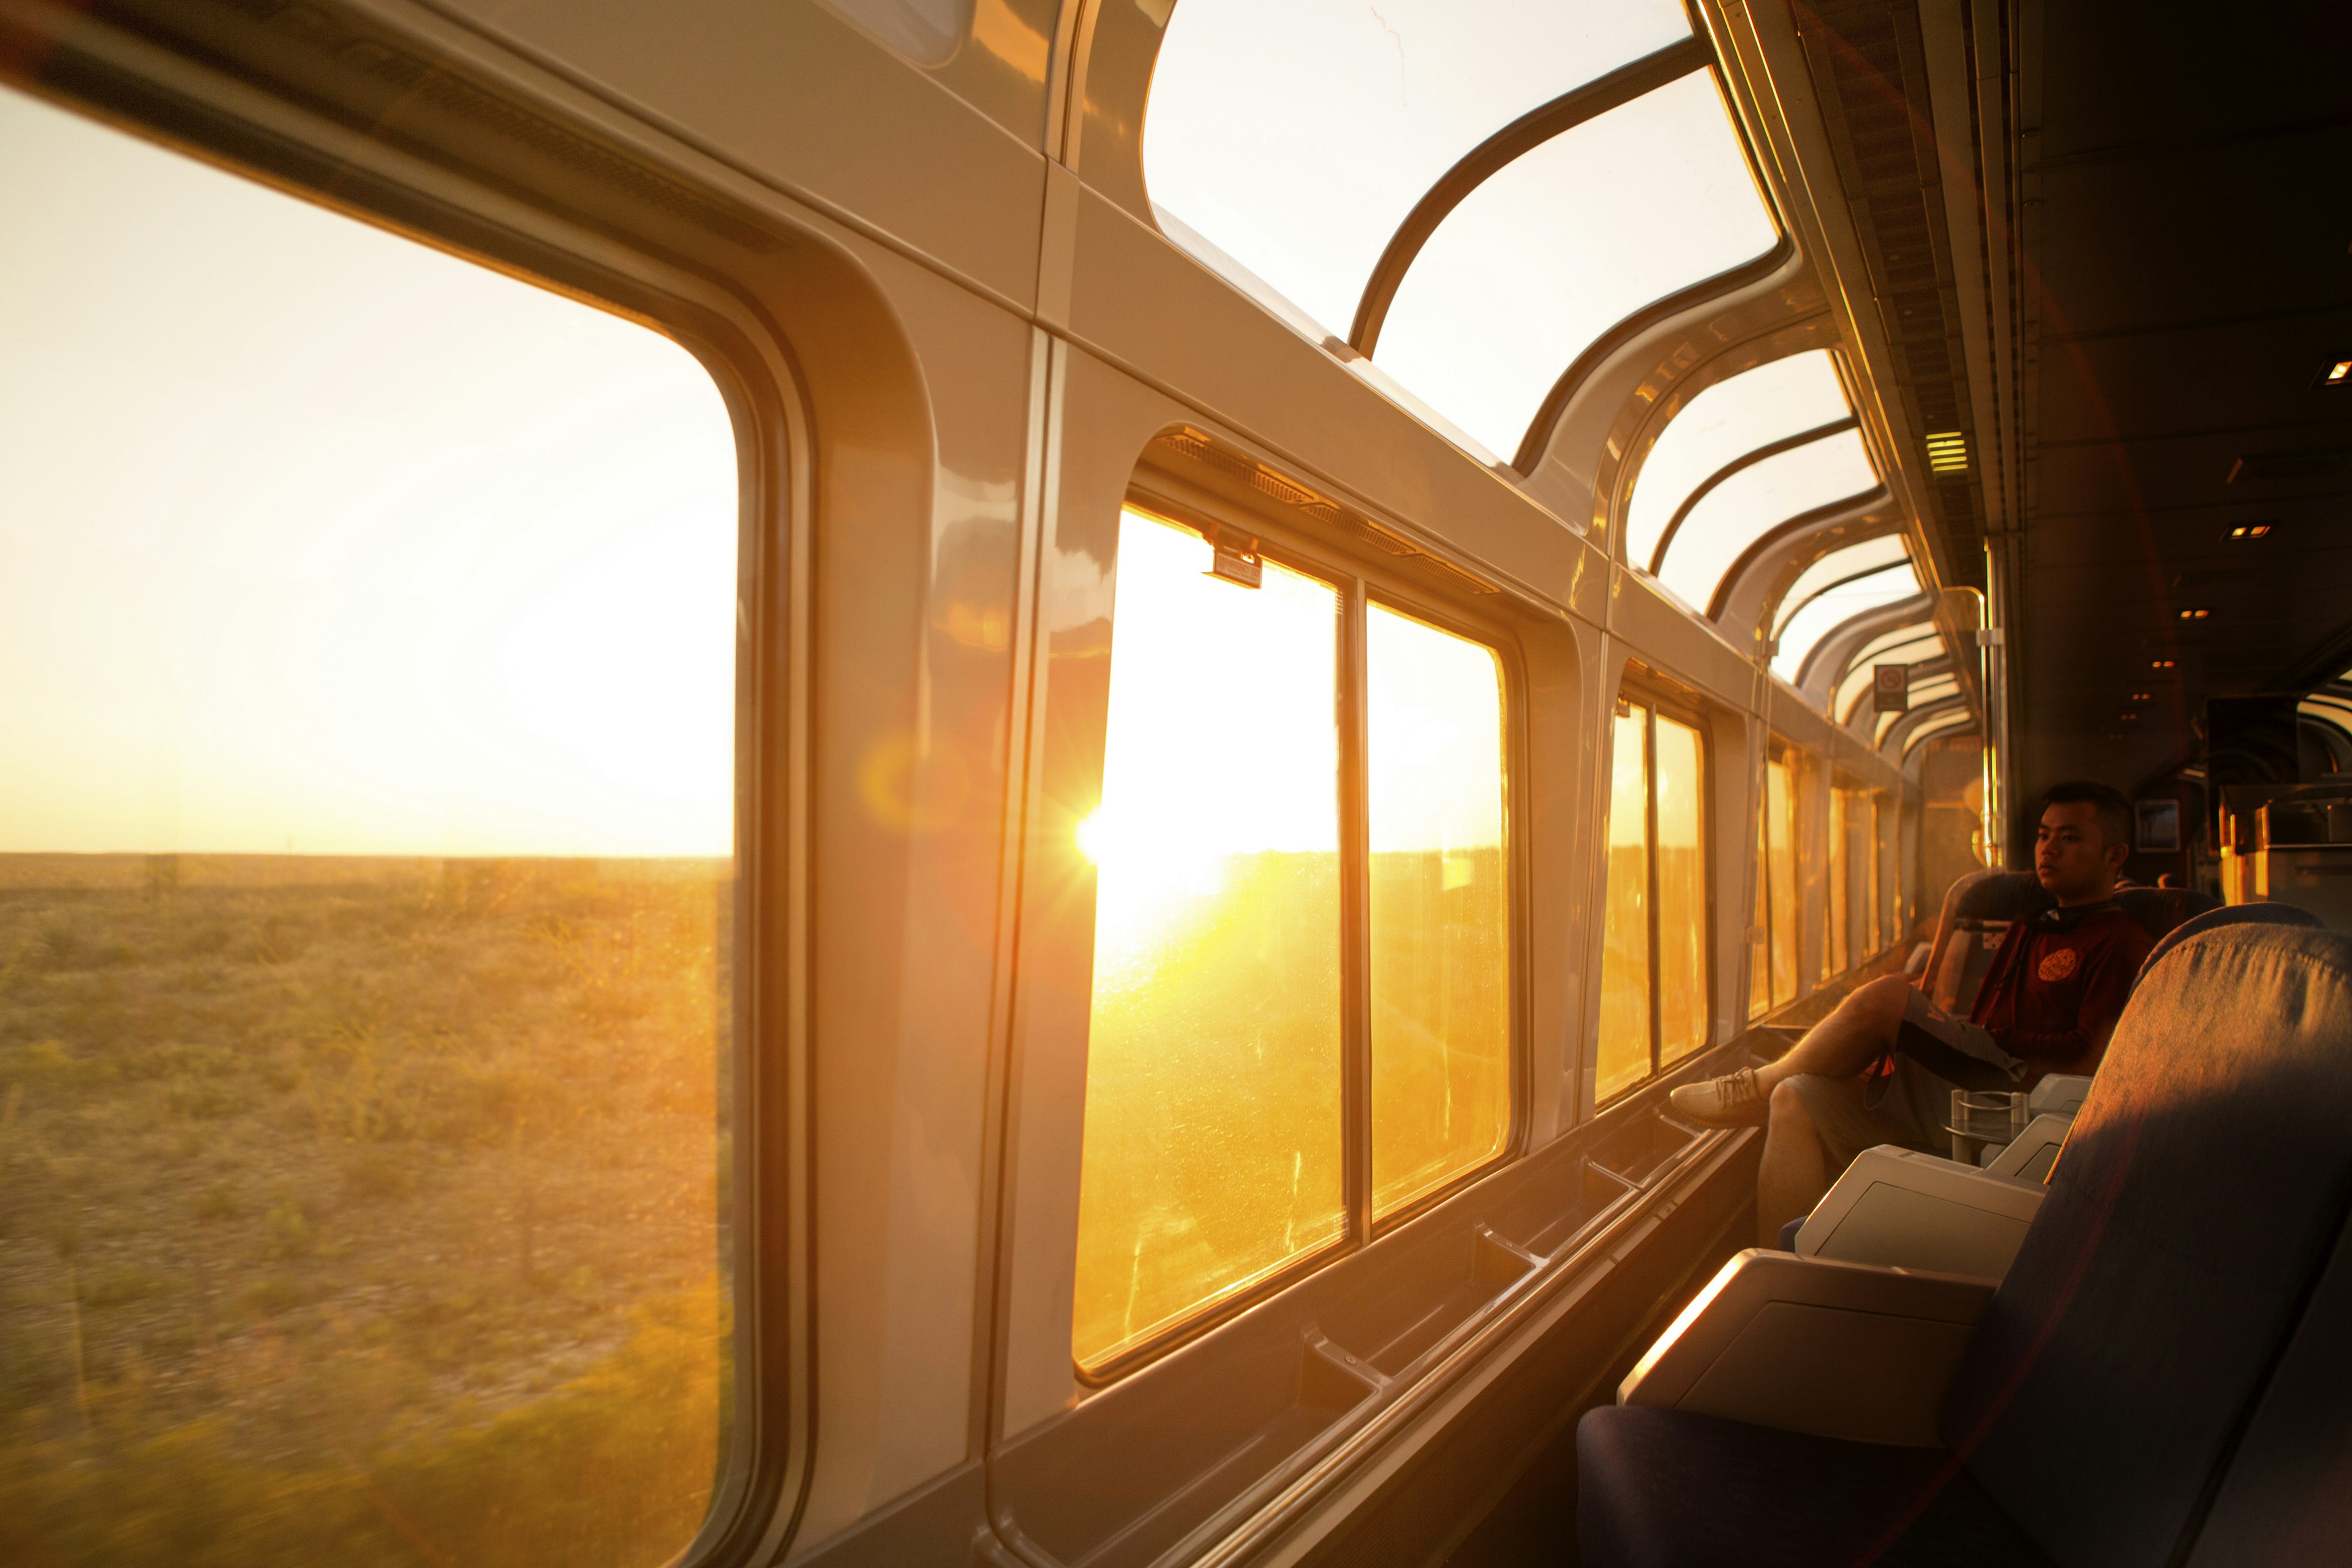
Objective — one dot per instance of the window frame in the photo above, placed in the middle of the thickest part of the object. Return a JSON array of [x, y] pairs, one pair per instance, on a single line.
[[562, 241], [1660, 696], [1360, 581]]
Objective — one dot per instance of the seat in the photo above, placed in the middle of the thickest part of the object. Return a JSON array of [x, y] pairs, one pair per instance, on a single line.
[[1979, 909], [2096, 1403], [2161, 911], [2254, 912]]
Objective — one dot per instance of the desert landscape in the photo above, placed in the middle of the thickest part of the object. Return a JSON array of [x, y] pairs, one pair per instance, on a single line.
[[361, 1210]]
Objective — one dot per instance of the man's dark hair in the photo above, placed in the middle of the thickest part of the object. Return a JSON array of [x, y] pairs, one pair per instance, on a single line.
[[2114, 807]]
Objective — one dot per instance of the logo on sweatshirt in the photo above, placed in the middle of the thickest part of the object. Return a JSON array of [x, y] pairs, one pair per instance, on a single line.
[[2056, 966]]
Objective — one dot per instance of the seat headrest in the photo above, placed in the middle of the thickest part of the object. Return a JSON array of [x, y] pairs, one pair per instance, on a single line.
[[2002, 895], [2225, 915]]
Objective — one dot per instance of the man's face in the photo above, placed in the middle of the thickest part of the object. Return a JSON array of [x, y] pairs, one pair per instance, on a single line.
[[2072, 855]]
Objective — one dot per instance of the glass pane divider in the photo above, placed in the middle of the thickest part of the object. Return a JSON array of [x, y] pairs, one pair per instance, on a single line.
[[1355, 914]]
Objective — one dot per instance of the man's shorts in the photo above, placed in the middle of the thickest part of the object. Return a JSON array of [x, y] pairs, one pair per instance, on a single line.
[[1935, 1054]]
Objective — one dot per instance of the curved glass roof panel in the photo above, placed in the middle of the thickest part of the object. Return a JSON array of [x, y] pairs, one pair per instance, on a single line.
[[1296, 137], [1755, 500], [1958, 719], [1927, 691], [1722, 423], [1853, 561], [1889, 646], [1832, 608], [1923, 646], [1562, 244]]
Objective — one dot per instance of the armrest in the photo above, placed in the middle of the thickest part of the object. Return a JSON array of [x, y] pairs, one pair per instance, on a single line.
[[2059, 1093], [1807, 1344], [1908, 1210], [2034, 1150]]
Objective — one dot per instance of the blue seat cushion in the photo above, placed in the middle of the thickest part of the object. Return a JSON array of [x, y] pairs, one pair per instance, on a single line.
[[1669, 1488]]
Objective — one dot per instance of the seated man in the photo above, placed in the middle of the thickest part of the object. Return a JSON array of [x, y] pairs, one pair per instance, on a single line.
[[2048, 1005]]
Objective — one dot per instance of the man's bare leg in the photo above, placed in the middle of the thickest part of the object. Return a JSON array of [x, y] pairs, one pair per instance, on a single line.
[[1839, 1046], [1793, 1173]]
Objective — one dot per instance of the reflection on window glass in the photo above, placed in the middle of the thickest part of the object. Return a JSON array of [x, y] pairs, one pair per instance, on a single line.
[[1831, 609], [1780, 872], [1625, 1056], [1213, 1084], [1681, 893], [366, 890], [1295, 137], [1726, 422], [1755, 500], [1841, 859], [1441, 917], [1526, 273]]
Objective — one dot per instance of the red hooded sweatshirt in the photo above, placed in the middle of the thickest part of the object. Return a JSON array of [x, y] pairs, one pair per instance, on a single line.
[[2058, 984]]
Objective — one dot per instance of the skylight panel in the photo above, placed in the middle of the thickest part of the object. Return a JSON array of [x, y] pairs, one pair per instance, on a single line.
[[1933, 691], [1757, 499], [1959, 718], [1296, 137], [1722, 423], [1891, 645], [1563, 244], [1832, 608], [1838, 565]]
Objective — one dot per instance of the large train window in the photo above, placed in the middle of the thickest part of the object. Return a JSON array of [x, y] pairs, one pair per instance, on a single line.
[[1773, 975], [1252, 860], [1744, 458], [1654, 1004], [1417, 179], [367, 889]]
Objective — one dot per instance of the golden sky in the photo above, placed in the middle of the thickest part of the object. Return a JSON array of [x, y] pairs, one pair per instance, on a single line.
[[316, 539]]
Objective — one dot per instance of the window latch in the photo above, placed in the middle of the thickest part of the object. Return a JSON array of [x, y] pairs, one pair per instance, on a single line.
[[1234, 559]]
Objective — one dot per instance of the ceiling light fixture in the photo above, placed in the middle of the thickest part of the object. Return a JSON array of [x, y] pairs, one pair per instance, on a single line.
[[2337, 375], [2194, 614], [2160, 664], [2252, 531], [2143, 696], [1948, 452]]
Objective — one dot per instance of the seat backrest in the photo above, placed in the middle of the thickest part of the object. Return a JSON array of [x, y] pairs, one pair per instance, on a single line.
[[2286, 1497], [1977, 913], [2159, 911], [2199, 1196], [2254, 913]]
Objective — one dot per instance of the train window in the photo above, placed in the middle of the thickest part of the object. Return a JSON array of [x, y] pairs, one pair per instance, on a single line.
[[1325, 150], [1440, 908], [1213, 1153], [1774, 980], [1725, 423], [1890, 867], [367, 889], [1296, 138], [1517, 280], [1871, 897], [1842, 584], [1721, 524], [1839, 888], [1624, 1051], [1654, 1001], [1215, 1078]]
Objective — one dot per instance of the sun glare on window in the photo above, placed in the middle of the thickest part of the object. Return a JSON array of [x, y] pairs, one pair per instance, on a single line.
[[1213, 1144]]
